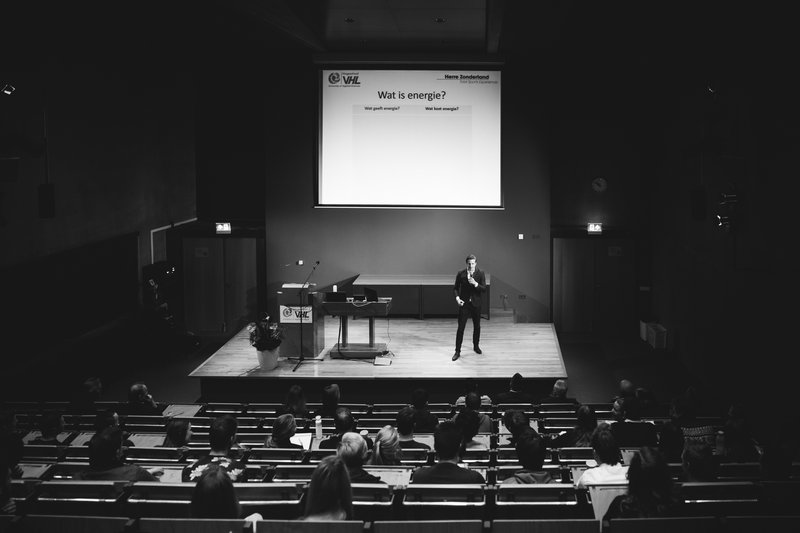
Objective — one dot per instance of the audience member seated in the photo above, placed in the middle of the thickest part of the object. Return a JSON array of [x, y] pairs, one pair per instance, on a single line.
[[87, 395], [105, 460], [632, 431], [650, 491], [343, 422], [473, 403], [405, 429], [11, 441], [424, 420], [558, 394], [283, 429], [295, 404], [329, 496], [738, 444], [776, 462], [141, 402], [447, 443], [470, 385], [7, 504], [179, 433], [214, 496], [110, 418], [626, 389], [699, 463], [515, 392], [531, 452], [581, 434], [468, 423], [330, 401], [221, 438], [609, 467], [684, 411], [516, 422], [386, 450], [50, 425], [353, 451]]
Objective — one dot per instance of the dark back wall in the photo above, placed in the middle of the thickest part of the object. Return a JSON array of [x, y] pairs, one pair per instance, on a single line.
[[375, 241]]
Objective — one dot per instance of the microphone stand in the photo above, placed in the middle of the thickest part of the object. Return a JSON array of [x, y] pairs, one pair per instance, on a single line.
[[302, 304]]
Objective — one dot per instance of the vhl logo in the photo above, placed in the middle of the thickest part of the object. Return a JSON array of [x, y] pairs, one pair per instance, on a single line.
[[347, 79]]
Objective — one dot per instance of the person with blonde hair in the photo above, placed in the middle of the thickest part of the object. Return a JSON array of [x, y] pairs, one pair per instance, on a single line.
[[354, 452], [329, 496], [386, 450]]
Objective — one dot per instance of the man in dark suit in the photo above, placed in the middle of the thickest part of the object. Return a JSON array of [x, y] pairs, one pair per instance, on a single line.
[[468, 288]]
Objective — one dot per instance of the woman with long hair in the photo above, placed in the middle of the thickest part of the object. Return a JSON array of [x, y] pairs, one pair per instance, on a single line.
[[214, 496], [581, 434], [329, 495], [386, 450]]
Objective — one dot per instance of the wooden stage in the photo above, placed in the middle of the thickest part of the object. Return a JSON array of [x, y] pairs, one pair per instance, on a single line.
[[420, 354]]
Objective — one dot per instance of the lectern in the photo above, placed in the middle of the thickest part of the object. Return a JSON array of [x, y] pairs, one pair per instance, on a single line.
[[306, 321], [358, 309]]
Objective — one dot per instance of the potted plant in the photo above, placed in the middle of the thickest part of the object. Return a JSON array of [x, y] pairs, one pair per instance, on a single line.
[[266, 337]]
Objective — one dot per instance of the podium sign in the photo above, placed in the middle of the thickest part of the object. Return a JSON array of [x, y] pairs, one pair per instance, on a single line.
[[295, 314], [301, 320]]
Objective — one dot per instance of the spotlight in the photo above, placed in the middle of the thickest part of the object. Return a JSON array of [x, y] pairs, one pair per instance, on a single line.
[[8, 88], [222, 228], [723, 221]]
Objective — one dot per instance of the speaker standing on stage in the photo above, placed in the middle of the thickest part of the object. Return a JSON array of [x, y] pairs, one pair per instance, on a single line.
[[470, 284]]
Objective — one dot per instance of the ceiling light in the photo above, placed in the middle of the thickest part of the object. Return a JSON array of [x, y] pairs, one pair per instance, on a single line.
[[349, 20], [8, 88], [440, 20]]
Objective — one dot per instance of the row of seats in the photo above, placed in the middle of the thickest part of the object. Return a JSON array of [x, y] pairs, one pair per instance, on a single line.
[[71, 524], [378, 501]]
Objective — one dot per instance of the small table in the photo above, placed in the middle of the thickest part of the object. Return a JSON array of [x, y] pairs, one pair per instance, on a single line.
[[350, 308]]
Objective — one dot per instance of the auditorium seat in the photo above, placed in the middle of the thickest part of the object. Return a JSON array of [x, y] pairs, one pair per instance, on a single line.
[[699, 524], [262, 409], [373, 501], [297, 526], [215, 409], [750, 471], [154, 454], [66, 470], [551, 500], [193, 525], [444, 501], [71, 497], [571, 455], [761, 524], [275, 500], [34, 523], [602, 494], [571, 525], [427, 526], [720, 498], [295, 473], [156, 499], [42, 452], [275, 455], [416, 456], [779, 497], [505, 471]]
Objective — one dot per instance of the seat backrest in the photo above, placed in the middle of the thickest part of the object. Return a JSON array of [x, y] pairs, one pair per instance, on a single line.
[[771, 524], [427, 526], [300, 526], [602, 495], [466, 493], [193, 525], [571, 525], [700, 524], [33, 523]]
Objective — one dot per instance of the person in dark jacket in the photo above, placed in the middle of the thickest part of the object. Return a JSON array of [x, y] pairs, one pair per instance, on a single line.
[[650, 491], [447, 443], [531, 452], [105, 460]]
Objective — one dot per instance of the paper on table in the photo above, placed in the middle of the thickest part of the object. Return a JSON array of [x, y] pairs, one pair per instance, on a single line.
[[303, 439], [178, 410]]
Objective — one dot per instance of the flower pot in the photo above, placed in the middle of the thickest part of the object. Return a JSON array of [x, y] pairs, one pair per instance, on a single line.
[[268, 359]]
